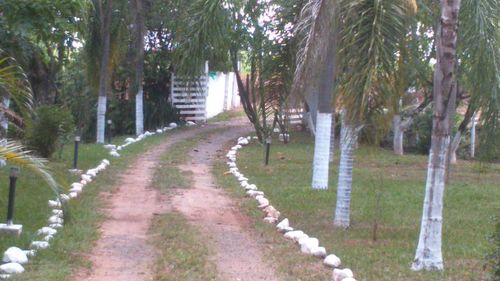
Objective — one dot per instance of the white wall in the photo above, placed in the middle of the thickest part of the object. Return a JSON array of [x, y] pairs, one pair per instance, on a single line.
[[223, 84]]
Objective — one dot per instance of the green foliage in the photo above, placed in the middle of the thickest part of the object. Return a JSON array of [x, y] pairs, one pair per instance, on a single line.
[[494, 257], [51, 129]]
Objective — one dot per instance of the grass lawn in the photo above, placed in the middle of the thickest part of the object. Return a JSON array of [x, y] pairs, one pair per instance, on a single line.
[[81, 222], [471, 200]]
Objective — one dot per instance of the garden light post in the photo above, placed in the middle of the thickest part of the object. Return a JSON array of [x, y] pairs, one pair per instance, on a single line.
[[14, 172], [10, 228], [268, 148], [75, 158]]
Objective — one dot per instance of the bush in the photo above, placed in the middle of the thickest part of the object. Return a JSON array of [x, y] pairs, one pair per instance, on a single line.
[[51, 128]]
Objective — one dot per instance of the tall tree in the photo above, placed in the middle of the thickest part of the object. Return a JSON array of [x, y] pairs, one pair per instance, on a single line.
[[139, 28], [428, 255], [314, 77]]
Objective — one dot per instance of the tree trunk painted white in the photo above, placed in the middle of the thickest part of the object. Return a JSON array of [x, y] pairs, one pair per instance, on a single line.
[[455, 143], [321, 151], [332, 139], [4, 121], [397, 143], [429, 255], [348, 140], [473, 137], [139, 111], [101, 118]]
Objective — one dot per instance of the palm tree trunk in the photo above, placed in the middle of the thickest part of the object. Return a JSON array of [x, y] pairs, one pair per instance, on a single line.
[[397, 142], [332, 139], [104, 73], [322, 140], [454, 147], [348, 140], [428, 254], [139, 67]]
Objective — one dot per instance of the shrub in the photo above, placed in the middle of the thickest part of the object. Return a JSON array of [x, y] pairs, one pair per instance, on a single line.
[[52, 127]]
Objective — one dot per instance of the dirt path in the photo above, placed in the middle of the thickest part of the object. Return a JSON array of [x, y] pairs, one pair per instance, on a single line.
[[123, 253], [238, 255]]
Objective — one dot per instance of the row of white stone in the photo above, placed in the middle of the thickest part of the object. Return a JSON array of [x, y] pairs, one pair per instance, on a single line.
[[308, 245], [14, 258]]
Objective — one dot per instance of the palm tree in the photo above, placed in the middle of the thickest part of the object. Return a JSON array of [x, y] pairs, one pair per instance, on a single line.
[[370, 36], [14, 85], [138, 14], [428, 255]]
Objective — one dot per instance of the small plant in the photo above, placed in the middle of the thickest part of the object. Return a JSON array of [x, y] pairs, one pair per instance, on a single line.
[[51, 128]]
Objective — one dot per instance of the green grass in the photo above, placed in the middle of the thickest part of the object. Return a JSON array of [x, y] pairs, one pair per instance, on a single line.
[[227, 115], [471, 200], [182, 253], [84, 214], [183, 256]]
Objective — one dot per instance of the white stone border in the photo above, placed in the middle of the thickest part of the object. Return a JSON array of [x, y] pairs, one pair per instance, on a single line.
[[308, 245], [14, 257]]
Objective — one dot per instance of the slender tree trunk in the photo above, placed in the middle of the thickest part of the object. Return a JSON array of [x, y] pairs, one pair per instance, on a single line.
[[455, 143], [473, 137], [104, 73], [332, 138], [397, 143], [428, 254], [322, 140], [348, 140], [139, 66]]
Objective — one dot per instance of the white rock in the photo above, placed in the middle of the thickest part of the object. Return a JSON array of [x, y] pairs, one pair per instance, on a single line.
[[284, 223], [272, 212], [276, 130], [55, 219], [119, 148], [46, 231], [11, 268], [57, 212], [285, 229], [39, 245], [159, 131], [270, 220], [264, 203], [243, 184], [319, 252], [64, 197], [308, 244], [75, 189], [129, 140], [48, 238], [114, 153], [294, 235], [110, 146], [190, 123], [254, 193], [73, 195], [56, 225], [84, 182], [101, 167], [341, 274], [86, 178], [5, 276], [172, 125], [54, 204], [29, 253], [349, 279], [242, 178], [91, 172], [243, 142], [332, 261], [238, 146], [105, 162], [251, 187], [76, 184], [231, 165], [14, 254], [255, 137]]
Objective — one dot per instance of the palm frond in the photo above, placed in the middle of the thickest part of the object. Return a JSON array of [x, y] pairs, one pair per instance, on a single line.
[[370, 34], [15, 84], [14, 153]]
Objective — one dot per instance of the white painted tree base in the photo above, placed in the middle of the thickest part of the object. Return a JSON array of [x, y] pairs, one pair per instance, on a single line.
[[321, 161]]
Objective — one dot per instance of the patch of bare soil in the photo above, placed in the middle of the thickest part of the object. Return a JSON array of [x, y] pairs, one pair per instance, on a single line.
[[123, 253], [238, 255]]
